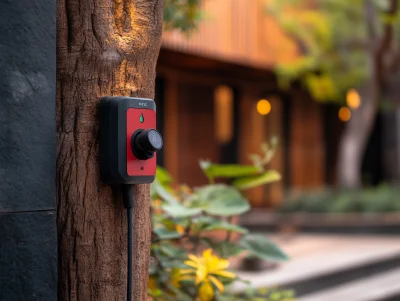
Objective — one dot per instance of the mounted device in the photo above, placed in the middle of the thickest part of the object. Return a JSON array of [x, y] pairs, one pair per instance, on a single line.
[[128, 145], [128, 140]]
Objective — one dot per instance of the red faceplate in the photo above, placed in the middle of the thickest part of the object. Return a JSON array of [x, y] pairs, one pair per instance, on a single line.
[[134, 166]]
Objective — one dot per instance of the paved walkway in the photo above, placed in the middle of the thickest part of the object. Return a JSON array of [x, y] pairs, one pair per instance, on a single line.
[[314, 256], [378, 287]]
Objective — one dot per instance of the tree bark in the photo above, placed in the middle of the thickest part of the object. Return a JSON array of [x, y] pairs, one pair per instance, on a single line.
[[104, 47], [355, 137]]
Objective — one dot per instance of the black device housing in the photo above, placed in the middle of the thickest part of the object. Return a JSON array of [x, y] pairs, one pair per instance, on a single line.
[[112, 136]]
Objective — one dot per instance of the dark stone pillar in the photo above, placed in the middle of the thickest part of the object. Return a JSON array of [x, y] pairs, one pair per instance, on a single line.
[[28, 237]]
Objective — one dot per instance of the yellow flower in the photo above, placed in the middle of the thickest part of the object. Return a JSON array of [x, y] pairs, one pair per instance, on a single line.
[[206, 291], [180, 229], [204, 270], [157, 203]]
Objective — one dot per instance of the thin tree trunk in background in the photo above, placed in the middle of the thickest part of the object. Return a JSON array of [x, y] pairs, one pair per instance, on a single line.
[[355, 137], [391, 130], [104, 47]]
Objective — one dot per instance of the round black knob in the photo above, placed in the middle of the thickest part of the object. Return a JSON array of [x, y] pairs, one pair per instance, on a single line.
[[145, 142]]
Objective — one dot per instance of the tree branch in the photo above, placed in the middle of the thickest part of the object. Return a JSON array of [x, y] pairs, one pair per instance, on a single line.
[[388, 30], [385, 43], [371, 19]]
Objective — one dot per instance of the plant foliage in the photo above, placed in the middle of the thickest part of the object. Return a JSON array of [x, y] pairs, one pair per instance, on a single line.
[[195, 234], [334, 41], [183, 15], [383, 199]]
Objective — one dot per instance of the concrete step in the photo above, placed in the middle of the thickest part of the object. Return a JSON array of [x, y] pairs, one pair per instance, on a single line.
[[380, 287], [323, 262]]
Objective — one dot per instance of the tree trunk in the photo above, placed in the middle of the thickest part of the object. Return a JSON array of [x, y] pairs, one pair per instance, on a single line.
[[358, 130], [355, 137], [104, 47], [391, 129]]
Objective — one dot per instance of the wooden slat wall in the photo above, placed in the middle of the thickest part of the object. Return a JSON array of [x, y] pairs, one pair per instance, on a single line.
[[252, 135], [196, 132], [237, 31], [274, 121], [307, 153]]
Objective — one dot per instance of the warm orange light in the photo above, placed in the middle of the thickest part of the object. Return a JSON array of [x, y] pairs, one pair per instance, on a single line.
[[344, 114], [353, 99], [263, 107], [224, 114]]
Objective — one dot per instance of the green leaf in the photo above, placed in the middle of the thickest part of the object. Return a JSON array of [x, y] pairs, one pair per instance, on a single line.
[[177, 210], [202, 222], [163, 176], [209, 223], [164, 194], [254, 181], [261, 247], [179, 294], [155, 293], [174, 263], [226, 226], [171, 250], [227, 170], [222, 200], [163, 233], [227, 249]]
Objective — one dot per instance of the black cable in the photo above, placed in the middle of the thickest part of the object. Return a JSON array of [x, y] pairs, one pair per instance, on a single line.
[[129, 286], [127, 195]]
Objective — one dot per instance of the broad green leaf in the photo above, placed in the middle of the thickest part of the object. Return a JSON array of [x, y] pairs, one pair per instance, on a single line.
[[228, 170], [205, 220], [202, 222], [173, 250], [222, 200], [163, 176], [168, 223], [227, 249], [163, 233], [173, 263], [164, 194], [155, 292], [225, 226], [261, 247], [177, 210], [179, 294], [254, 181], [228, 205]]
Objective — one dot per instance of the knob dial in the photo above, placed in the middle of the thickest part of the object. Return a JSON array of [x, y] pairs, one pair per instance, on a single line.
[[145, 143]]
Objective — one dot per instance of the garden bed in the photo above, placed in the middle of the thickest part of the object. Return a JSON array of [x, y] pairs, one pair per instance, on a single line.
[[374, 223]]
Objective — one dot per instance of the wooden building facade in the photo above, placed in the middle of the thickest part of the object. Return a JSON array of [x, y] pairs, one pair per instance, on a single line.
[[207, 91]]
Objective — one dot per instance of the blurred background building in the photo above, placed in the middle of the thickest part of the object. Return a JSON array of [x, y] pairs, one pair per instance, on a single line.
[[219, 99]]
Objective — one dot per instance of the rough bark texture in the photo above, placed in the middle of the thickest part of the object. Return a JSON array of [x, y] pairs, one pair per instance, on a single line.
[[104, 47]]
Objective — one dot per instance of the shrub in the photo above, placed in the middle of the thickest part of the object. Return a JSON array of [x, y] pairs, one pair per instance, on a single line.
[[189, 261], [369, 200]]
